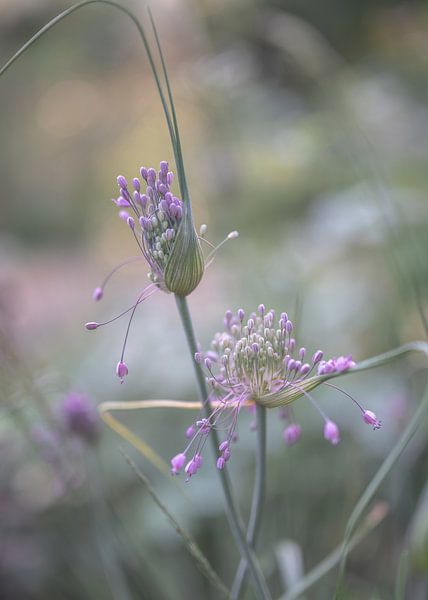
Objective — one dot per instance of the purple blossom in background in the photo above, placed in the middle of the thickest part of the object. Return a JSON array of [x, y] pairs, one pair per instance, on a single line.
[[80, 417], [258, 361]]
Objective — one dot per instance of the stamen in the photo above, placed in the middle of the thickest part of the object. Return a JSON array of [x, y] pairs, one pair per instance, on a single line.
[[134, 308], [231, 236], [346, 394], [150, 289], [98, 293]]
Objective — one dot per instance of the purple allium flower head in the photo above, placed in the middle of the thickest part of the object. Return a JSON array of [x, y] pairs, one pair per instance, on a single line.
[[157, 211], [80, 416], [331, 432], [292, 434], [162, 226], [258, 362]]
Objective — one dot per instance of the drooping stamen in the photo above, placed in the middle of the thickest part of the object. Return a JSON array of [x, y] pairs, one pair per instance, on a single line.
[[150, 289], [231, 236], [134, 308], [331, 430], [99, 291], [369, 416]]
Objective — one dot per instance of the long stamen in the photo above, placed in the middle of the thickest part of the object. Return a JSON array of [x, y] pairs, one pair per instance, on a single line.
[[150, 289], [369, 417], [346, 394], [99, 291], [134, 308], [231, 236], [312, 400]]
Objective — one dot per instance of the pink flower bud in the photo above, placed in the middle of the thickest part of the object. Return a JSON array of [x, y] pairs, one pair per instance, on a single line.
[[177, 463], [292, 434], [332, 433], [97, 294], [121, 370], [370, 418]]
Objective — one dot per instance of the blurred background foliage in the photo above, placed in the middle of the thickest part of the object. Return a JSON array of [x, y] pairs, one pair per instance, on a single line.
[[305, 127]]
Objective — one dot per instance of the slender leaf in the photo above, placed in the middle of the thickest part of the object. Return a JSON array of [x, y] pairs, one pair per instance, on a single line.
[[201, 561]]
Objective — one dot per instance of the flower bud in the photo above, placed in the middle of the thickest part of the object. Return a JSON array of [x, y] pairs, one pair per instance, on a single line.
[[332, 433], [292, 434], [97, 294], [185, 266]]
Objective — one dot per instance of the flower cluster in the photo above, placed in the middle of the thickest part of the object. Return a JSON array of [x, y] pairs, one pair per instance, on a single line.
[[257, 361], [162, 227]]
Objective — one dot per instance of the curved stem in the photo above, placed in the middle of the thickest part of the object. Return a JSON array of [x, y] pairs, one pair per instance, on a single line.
[[232, 512], [127, 12], [258, 499]]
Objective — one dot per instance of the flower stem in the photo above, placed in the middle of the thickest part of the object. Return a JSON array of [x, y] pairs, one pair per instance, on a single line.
[[257, 502], [232, 512]]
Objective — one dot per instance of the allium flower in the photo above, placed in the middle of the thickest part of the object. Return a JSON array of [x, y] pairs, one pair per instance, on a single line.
[[257, 361], [163, 229]]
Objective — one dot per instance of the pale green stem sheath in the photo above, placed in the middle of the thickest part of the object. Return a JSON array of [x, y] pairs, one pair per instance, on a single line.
[[257, 502], [232, 512]]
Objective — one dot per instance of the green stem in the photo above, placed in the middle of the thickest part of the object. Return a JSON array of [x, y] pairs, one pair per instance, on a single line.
[[232, 512], [258, 500]]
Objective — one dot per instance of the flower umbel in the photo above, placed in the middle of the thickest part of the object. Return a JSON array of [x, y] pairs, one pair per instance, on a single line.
[[162, 227], [257, 361]]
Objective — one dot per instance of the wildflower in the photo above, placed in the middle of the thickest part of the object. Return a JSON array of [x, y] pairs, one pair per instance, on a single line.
[[258, 361], [162, 227]]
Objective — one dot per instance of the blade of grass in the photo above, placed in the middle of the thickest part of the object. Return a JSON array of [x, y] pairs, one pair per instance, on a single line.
[[377, 480], [180, 165], [374, 518], [201, 561], [400, 583]]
